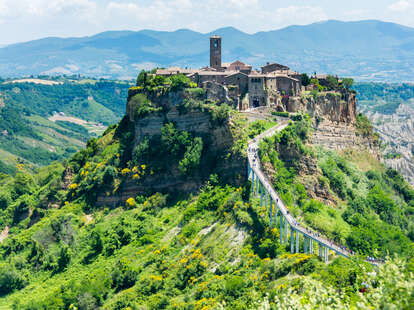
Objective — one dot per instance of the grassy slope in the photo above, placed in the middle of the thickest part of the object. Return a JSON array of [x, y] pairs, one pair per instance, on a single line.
[[190, 252], [364, 205]]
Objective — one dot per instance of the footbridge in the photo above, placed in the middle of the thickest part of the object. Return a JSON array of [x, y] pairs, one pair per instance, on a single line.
[[291, 231]]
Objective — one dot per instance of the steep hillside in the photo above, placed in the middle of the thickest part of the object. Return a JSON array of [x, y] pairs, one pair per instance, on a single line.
[[369, 50], [45, 120], [204, 247]]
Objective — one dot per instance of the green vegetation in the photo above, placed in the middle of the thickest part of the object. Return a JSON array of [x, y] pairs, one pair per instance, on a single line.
[[28, 135], [373, 208], [281, 114], [384, 98], [210, 249]]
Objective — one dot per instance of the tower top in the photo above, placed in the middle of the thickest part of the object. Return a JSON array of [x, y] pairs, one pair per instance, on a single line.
[[215, 52]]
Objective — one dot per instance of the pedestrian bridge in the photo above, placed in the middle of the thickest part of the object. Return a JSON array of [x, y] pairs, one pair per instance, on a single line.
[[290, 229]]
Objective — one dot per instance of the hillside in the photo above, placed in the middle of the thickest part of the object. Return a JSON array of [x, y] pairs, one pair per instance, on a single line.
[[188, 234], [366, 50], [43, 120]]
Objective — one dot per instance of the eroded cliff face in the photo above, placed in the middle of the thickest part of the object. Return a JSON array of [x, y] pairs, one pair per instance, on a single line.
[[216, 157], [334, 117], [334, 107], [397, 132]]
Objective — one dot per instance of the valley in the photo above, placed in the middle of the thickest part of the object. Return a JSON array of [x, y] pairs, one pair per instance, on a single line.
[[44, 120]]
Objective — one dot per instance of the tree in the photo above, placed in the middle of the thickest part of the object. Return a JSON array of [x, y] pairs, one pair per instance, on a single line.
[[347, 82], [331, 82], [305, 79], [142, 78]]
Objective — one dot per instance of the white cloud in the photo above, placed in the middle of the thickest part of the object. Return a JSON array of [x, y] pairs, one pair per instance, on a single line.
[[300, 14], [402, 5], [23, 20]]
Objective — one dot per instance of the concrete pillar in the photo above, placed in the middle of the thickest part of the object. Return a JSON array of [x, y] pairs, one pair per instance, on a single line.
[[286, 231], [276, 210], [281, 229], [305, 244], [257, 185], [248, 170], [320, 249], [261, 194], [311, 246], [252, 182], [270, 211], [292, 247], [297, 241]]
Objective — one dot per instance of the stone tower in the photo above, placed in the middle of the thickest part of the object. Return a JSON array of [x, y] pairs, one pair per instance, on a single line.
[[215, 52]]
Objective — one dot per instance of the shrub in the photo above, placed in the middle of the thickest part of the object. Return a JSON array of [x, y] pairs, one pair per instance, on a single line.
[[123, 276], [281, 114], [235, 286], [10, 280]]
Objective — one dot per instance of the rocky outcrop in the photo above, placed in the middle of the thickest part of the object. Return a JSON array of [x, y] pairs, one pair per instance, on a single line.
[[216, 158], [332, 106], [397, 133], [341, 136]]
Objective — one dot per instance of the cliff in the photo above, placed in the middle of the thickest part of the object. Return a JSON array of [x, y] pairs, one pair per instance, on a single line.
[[334, 116], [332, 106], [188, 114]]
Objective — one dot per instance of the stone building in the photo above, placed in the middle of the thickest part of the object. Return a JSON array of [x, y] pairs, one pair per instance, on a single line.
[[238, 82], [215, 52]]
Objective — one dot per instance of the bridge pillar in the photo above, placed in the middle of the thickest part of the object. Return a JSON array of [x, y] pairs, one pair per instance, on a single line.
[[292, 247], [320, 249], [326, 254], [248, 170], [270, 210], [305, 244], [311, 246], [297, 241], [261, 194], [276, 212], [286, 231], [252, 182], [281, 229], [257, 185]]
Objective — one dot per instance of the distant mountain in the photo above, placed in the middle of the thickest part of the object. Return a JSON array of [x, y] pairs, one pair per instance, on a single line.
[[366, 50]]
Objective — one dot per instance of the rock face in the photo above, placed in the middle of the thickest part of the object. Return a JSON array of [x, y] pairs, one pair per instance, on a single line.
[[340, 136], [334, 117], [216, 158], [335, 107], [397, 133]]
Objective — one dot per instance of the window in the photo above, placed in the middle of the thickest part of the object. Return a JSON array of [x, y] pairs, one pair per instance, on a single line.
[[215, 44]]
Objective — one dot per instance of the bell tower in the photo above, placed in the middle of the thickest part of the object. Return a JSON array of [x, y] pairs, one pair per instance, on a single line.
[[215, 52]]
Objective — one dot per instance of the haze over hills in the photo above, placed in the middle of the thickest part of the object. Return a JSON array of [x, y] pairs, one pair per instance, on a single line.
[[366, 50]]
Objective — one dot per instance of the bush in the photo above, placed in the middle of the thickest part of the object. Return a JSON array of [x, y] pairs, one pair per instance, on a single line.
[[281, 114], [123, 276], [10, 280], [235, 286]]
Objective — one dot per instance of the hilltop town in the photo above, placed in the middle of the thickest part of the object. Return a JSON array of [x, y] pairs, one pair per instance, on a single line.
[[244, 87]]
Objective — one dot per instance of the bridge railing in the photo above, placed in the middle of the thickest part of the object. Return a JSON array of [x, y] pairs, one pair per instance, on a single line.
[[261, 183]]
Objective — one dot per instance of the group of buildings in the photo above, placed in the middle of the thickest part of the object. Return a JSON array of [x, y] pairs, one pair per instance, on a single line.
[[239, 83]]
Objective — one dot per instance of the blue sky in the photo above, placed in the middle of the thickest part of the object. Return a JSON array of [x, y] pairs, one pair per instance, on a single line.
[[23, 20]]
